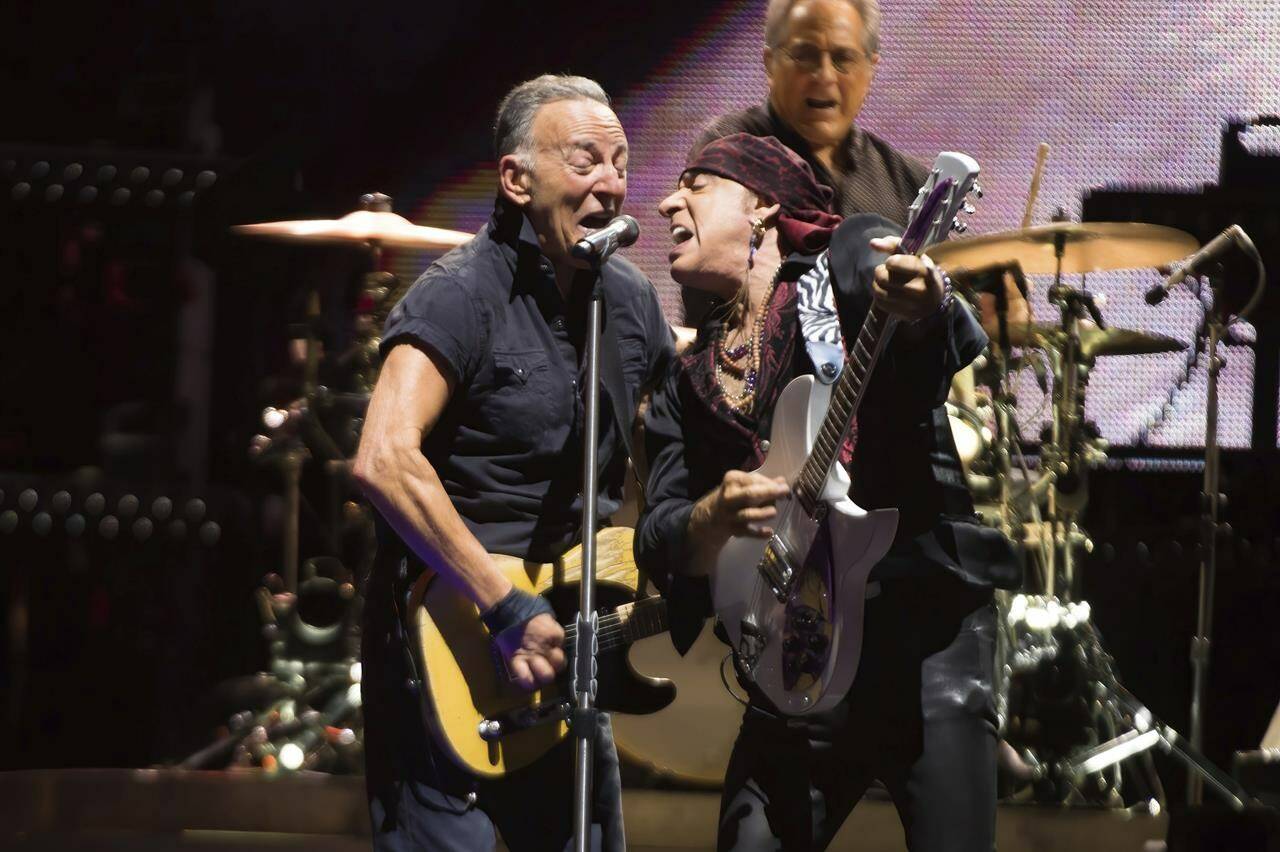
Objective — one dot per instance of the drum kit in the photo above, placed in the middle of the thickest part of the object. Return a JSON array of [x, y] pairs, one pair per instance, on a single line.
[[1066, 722]]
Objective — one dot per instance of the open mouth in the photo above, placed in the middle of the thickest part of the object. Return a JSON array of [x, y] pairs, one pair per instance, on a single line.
[[819, 103], [595, 221], [680, 234]]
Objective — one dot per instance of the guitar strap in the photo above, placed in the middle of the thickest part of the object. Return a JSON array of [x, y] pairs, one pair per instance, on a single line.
[[819, 322]]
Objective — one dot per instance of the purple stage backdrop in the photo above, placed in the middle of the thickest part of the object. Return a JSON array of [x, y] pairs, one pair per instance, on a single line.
[[1125, 91]]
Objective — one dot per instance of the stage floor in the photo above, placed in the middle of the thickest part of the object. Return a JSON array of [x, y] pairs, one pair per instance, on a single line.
[[117, 809]]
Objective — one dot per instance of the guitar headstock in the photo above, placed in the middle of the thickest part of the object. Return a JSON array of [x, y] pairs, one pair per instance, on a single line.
[[941, 201]]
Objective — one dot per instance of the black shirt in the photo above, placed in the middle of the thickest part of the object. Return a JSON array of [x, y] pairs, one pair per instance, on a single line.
[[877, 178], [508, 446], [905, 456]]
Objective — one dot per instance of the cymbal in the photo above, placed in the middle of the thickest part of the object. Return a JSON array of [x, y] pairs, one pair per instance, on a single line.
[[1087, 247], [362, 226], [1095, 341]]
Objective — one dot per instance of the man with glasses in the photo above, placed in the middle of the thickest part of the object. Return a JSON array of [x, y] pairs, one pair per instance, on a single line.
[[820, 57]]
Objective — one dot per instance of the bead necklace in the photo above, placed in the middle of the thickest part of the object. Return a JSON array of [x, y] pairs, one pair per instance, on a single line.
[[725, 359]]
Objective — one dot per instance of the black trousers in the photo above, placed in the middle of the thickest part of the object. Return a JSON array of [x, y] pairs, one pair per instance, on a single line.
[[919, 718]]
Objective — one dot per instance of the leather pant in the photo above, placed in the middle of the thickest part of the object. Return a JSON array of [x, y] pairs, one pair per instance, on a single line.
[[919, 718]]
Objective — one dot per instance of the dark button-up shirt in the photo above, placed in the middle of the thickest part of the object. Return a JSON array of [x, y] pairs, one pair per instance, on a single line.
[[877, 178], [508, 445]]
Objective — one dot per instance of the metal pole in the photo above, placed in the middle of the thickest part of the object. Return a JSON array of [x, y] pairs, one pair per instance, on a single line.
[[1208, 560], [584, 652]]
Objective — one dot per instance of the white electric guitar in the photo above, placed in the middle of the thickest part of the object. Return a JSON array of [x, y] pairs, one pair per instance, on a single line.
[[795, 618]]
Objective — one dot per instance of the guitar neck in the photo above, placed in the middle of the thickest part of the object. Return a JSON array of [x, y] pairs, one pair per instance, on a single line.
[[626, 624], [847, 395]]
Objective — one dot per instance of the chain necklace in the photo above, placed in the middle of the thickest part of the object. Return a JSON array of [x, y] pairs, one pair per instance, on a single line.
[[726, 359]]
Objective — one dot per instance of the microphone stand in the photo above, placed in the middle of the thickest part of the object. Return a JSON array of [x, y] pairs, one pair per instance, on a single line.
[[584, 718]]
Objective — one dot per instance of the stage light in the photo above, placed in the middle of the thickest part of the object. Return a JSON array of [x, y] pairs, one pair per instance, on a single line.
[[274, 418], [291, 757], [28, 499], [128, 506], [72, 172], [353, 694], [88, 194], [210, 533], [346, 736], [154, 198], [186, 198], [140, 174], [60, 502], [356, 671], [95, 503], [195, 509], [8, 521], [20, 191], [75, 525], [172, 177], [39, 169], [42, 523], [205, 179], [106, 173], [53, 192], [178, 529], [161, 508], [121, 196], [142, 529], [109, 527]]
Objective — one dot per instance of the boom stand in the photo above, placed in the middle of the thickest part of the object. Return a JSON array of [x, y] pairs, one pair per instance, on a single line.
[[584, 650], [1211, 499]]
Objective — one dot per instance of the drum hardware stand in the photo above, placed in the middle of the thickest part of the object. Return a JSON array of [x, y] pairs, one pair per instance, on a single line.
[[1147, 732]]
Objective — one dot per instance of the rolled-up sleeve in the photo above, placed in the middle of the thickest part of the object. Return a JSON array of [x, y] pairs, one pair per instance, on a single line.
[[439, 313]]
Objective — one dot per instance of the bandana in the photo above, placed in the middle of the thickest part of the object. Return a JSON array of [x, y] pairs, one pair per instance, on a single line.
[[778, 175]]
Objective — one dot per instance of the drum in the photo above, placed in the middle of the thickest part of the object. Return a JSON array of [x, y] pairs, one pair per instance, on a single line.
[[1049, 699], [971, 433]]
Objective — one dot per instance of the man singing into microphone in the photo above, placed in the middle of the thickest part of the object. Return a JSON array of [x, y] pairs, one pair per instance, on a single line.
[[473, 445]]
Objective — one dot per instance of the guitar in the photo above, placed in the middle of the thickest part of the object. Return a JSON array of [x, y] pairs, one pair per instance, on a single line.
[[795, 621], [487, 724]]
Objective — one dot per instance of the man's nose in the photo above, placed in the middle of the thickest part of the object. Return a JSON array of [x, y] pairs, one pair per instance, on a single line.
[[668, 206]]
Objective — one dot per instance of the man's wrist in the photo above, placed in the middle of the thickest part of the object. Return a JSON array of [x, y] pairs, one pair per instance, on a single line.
[[515, 609]]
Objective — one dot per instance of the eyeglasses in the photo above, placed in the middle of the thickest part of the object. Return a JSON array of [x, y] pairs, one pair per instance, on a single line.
[[808, 58]]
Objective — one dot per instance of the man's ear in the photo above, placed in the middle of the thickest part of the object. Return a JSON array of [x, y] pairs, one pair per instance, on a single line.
[[769, 215], [513, 178], [768, 64]]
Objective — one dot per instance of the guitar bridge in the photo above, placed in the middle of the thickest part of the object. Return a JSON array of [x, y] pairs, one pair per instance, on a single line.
[[523, 718], [777, 565]]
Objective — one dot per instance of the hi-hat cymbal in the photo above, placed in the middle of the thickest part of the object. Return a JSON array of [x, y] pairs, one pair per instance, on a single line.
[[1094, 341], [362, 226], [1086, 247]]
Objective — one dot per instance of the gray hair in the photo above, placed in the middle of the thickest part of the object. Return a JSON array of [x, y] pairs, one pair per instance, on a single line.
[[517, 110], [775, 22]]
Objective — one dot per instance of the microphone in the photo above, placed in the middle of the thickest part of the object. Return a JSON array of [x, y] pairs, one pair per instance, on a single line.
[[597, 246], [1212, 250]]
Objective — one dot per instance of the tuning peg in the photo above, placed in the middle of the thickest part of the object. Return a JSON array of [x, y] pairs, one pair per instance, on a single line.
[[958, 226], [969, 208], [977, 189]]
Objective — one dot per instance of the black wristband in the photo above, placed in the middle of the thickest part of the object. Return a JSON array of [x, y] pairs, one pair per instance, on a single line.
[[516, 608]]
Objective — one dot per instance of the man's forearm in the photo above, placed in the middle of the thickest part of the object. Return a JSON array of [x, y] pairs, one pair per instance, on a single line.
[[404, 487]]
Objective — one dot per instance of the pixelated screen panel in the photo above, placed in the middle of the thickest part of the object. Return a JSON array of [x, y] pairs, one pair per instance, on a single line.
[[1125, 92]]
